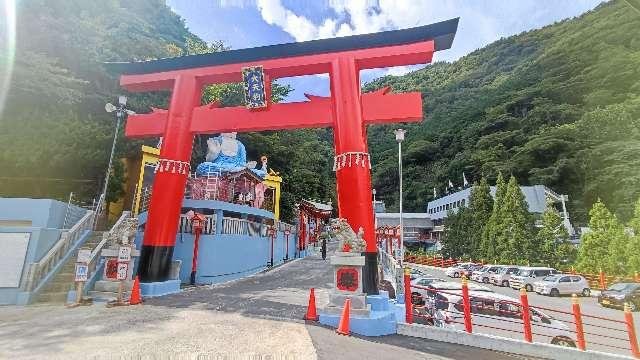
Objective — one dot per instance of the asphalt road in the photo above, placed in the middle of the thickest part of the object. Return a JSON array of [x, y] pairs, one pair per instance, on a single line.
[[598, 332], [282, 294]]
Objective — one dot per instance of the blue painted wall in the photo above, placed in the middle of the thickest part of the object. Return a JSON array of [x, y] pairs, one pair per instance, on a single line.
[[227, 257], [45, 213], [47, 218], [224, 257]]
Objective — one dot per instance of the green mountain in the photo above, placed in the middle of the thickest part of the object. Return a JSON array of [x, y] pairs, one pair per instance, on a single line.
[[558, 106], [55, 135]]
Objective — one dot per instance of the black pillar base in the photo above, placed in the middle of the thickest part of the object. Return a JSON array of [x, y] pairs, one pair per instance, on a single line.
[[155, 263], [370, 273]]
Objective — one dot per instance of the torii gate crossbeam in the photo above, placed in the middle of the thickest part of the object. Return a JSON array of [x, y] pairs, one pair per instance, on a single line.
[[347, 111]]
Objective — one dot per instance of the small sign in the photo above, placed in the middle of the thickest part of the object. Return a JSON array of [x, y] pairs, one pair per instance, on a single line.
[[347, 279], [111, 269], [84, 255], [82, 272], [123, 270], [287, 232], [124, 254], [255, 94]]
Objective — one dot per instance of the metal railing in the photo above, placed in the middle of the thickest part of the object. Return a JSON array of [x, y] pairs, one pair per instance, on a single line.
[[95, 253], [38, 270], [214, 186], [234, 226], [98, 211], [186, 226]]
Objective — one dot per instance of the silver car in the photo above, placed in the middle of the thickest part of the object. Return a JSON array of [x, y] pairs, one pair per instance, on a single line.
[[563, 284], [529, 275], [501, 278]]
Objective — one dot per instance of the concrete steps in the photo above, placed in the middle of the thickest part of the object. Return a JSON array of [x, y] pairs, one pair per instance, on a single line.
[[55, 291]]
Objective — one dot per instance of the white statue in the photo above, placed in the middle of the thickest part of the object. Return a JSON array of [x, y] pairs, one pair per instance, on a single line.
[[347, 238]]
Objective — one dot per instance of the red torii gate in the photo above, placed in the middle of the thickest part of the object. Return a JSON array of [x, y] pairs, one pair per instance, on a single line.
[[347, 111]]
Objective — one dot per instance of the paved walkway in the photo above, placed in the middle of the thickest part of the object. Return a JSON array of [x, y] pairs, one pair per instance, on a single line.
[[253, 318], [283, 294]]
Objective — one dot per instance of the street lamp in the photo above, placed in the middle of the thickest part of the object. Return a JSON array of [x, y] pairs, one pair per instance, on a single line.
[[120, 112], [400, 138]]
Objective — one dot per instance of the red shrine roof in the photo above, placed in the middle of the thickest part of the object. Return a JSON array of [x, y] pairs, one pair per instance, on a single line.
[[442, 33], [316, 209]]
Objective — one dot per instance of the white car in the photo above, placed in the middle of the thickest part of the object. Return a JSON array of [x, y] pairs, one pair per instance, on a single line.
[[529, 275], [502, 276], [495, 314], [483, 275], [457, 270], [555, 285]]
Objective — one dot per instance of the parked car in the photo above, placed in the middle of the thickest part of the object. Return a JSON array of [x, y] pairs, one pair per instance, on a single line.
[[471, 268], [416, 273], [555, 285], [457, 270], [419, 294], [424, 281], [502, 276], [482, 275], [496, 315], [528, 275], [619, 293]]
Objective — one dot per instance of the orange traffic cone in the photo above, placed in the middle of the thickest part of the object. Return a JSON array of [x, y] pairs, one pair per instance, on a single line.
[[343, 326], [311, 309], [135, 293]]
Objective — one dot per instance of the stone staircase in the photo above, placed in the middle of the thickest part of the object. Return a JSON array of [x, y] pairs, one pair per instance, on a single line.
[[57, 289]]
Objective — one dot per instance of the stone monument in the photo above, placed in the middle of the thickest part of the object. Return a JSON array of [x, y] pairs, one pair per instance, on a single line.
[[347, 265]]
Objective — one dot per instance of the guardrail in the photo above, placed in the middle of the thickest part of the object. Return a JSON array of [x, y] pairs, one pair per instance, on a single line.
[[38, 270], [468, 309]]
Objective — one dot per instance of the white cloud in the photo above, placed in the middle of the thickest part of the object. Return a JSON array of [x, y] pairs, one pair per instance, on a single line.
[[299, 27], [481, 22]]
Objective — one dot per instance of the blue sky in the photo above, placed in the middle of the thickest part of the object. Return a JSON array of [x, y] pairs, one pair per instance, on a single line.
[[250, 23]]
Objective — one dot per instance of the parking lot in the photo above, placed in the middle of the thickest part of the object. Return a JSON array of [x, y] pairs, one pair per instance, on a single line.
[[600, 334]]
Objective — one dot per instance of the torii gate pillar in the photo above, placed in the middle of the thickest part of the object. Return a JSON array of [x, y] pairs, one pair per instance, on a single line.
[[353, 182]]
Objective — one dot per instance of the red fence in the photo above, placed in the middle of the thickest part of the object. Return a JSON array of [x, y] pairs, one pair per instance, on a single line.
[[465, 310]]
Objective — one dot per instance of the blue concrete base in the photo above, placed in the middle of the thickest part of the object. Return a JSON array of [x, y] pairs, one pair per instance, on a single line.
[[381, 321], [159, 288]]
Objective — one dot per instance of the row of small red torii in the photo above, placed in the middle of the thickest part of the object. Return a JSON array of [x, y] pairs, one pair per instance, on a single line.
[[347, 111]]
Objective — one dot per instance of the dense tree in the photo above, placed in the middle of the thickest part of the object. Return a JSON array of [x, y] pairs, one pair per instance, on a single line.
[[493, 231], [517, 227], [457, 237], [595, 250], [480, 207], [55, 136], [553, 239], [633, 248]]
